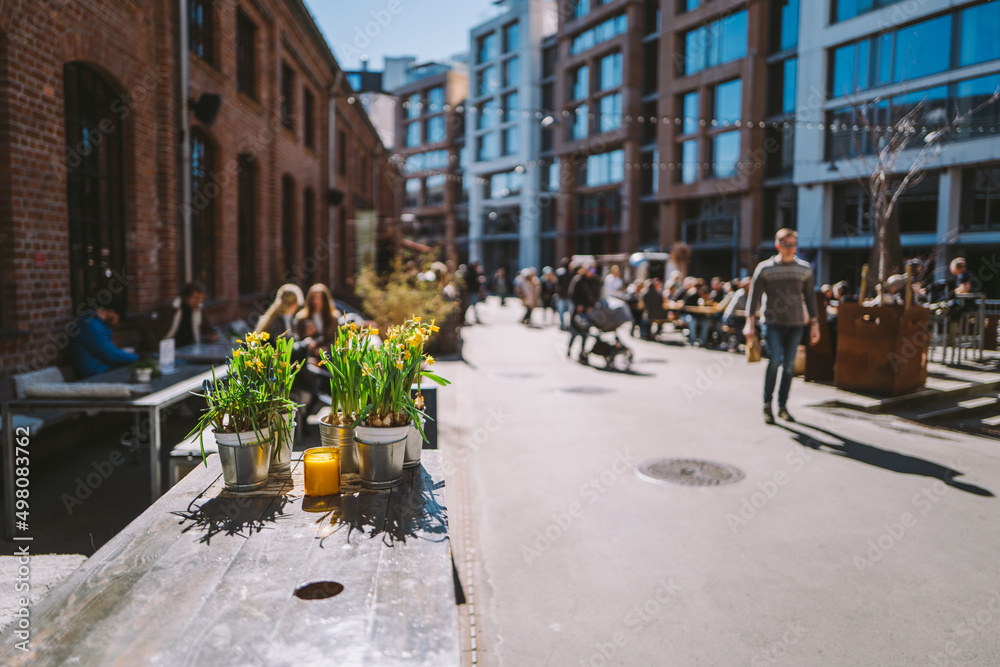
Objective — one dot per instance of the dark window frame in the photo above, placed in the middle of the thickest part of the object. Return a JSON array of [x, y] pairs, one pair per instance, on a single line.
[[201, 33], [95, 187], [287, 226], [287, 96], [308, 118], [246, 221], [246, 55], [203, 210], [308, 235]]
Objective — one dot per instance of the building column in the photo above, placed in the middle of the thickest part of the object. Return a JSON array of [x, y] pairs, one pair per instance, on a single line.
[[949, 215], [529, 243]]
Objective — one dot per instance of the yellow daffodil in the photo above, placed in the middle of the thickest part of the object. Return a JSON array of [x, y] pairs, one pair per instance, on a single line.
[[430, 360], [399, 364], [373, 331]]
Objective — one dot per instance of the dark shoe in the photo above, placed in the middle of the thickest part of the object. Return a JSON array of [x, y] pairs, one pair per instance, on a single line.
[[784, 414], [768, 415]]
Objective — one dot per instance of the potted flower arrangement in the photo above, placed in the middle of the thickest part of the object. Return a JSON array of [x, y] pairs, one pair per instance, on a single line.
[[388, 373], [283, 421], [241, 409], [348, 392]]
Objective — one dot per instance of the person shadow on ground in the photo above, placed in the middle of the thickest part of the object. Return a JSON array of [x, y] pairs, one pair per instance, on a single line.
[[882, 458]]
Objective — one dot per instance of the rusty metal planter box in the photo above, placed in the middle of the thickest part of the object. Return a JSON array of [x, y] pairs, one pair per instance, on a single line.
[[881, 349]]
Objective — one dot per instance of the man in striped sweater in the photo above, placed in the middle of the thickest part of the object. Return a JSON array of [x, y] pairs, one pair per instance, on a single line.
[[782, 287]]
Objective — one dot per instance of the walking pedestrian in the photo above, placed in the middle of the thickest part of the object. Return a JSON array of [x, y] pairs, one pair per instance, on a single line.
[[500, 285], [530, 291], [584, 291], [564, 274], [782, 287]]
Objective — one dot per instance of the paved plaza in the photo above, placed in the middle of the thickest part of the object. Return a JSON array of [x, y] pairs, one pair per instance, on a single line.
[[850, 541]]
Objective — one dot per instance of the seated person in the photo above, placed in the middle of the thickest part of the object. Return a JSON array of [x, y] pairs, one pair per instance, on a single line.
[[319, 319], [188, 323], [652, 299], [279, 319], [92, 348]]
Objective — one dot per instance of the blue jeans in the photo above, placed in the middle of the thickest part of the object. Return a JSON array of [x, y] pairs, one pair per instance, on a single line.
[[563, 308], [782, 344], [697, 328]]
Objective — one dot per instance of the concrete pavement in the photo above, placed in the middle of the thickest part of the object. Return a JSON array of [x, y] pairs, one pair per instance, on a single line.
[[843, 544]]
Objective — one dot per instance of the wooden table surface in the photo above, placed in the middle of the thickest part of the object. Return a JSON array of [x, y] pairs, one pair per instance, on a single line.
[[205, 577]]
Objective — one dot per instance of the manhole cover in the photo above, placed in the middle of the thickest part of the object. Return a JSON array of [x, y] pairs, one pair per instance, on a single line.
[[689, 472], [586, 390], [514, 376]]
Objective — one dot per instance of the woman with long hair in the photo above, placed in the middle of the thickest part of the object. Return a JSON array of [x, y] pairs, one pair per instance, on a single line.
[[319, 319], [279, 319]]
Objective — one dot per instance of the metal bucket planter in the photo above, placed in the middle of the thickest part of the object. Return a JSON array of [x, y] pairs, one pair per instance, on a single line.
[[380, 455], [414, 445], [245, 458], [341, 437], [284, 441]]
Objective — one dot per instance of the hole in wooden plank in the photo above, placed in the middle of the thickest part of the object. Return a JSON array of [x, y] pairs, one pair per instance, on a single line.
[[319, 590]]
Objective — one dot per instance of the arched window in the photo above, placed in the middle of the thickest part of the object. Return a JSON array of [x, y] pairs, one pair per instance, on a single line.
[[309, 236], [95, 189], [287, 226], [204, 193]]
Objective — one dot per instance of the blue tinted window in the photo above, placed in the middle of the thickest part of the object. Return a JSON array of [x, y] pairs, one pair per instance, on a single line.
[[579, 83], [435, 100], [728, 102], [689, 161], [788, 92], [863, 66], [413, 106], [510, 73], [884, 71], [695, 45], [725, 153], [980, 26], [922, 49], [611, 112], [843, 70], [789, 25], [734, 37], [691, 111], [435, 129], [578, 122], [413, 134], [510, 37], [611, 71]]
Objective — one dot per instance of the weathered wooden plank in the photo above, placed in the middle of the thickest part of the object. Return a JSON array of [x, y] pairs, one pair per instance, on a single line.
[[63, 623], [413, 617]]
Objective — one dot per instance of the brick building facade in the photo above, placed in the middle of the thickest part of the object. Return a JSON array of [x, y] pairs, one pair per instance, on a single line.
[[288, 183]]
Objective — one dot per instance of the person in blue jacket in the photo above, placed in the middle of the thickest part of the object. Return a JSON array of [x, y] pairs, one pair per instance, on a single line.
[[93, 350]]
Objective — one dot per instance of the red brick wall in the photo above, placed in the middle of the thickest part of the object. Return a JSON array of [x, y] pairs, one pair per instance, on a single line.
[[134, 46]]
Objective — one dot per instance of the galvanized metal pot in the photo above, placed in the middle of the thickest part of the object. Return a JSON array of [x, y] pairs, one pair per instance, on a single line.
[[381, 463], [245, 458], [284, 442], [341, 437], [414, 445]]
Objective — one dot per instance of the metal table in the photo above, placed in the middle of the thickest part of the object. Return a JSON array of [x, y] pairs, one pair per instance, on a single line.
[[206, 353], [208, 578], [166, 390]]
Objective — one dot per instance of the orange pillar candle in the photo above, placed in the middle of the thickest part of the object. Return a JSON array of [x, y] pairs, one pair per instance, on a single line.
[[322, 471]]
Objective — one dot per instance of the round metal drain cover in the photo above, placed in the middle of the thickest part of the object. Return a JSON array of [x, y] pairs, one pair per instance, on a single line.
[[689, 472], [586, 390]]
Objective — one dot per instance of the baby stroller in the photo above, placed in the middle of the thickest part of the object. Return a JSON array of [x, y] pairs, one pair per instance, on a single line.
[[607, 316]]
